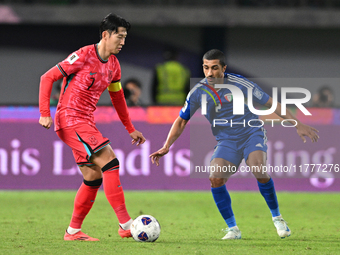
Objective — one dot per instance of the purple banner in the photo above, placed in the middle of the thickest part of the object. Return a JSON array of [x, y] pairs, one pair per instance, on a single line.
[[294, 165], [34, 158]]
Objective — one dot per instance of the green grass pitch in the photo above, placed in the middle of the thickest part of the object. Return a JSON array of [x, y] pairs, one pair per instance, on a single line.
[[33, 222]]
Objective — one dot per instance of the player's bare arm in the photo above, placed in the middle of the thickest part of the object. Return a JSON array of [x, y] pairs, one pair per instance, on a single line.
[[137, 137], [302, 129], [46, 122], [175, 132]]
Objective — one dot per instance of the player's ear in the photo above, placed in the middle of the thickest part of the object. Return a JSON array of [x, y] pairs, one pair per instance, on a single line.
[[225, 67], [105, 34]]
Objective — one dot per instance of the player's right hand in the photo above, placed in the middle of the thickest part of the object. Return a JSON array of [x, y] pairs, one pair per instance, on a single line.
[[137, 138], [158, 154], [46, 122]]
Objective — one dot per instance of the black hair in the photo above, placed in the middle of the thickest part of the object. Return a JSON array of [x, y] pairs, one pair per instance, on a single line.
[[133, 80], [215, 54], [111, 23]]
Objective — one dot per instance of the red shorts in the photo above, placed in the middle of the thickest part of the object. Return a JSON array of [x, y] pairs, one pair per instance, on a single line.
[[84, 141]]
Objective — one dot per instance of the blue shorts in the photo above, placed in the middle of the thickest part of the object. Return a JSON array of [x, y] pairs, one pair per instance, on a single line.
[[235, 150]]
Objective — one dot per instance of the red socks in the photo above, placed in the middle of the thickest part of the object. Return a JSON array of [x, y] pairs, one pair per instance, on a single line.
[[113, 190], [83, 202], [87, 193]]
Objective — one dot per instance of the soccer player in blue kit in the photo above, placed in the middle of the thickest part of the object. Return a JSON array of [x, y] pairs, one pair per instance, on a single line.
[[234, 142]]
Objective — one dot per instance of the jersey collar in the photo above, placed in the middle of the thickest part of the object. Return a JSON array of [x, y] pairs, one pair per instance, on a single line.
[[98, 56]]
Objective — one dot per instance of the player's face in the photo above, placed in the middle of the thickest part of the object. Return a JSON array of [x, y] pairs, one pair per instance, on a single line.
[[213, 71], [116, 40]]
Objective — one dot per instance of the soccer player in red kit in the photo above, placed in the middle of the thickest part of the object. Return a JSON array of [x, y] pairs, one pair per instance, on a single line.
[[87, 72]]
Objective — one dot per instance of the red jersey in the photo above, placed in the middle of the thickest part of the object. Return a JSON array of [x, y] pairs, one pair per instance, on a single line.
[[86, 76]]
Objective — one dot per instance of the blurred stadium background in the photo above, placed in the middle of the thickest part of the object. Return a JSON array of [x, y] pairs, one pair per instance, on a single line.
[[284, 42]]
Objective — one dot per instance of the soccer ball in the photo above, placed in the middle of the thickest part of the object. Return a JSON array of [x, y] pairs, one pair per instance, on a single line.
[[145, 228]]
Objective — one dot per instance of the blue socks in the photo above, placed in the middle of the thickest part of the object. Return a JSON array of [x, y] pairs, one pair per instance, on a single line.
[[268, 192], [223, 203]]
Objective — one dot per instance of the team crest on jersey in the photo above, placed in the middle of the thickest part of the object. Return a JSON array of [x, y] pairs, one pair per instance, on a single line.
[[228, 97], [72, 58], [93, 140], [258, 93], [110, 76]]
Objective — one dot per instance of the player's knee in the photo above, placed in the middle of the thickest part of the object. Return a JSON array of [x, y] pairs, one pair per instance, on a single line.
[[261, 176], [112, 165], [256, 167], [257, 163], [217, 182], [94, 183]]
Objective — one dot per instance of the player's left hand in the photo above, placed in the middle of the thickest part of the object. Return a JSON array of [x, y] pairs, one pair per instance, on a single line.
[[137, 137], [304, 130]]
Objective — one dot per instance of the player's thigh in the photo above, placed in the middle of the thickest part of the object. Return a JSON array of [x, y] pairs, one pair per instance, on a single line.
[[103, 156], [256, 160], [255, 153], [91, 173], [224, 163], [221, 168]]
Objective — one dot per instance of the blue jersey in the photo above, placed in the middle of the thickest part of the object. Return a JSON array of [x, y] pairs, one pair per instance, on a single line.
[[226, 125]]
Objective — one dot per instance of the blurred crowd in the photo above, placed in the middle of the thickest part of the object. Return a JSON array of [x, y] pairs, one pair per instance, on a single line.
[[324, 97], [212, 3], [171, 84]]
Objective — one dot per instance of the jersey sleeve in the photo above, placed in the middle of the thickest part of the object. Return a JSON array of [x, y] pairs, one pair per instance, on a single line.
[[191, 105], [115, 84], [46, 84], [119, 103], [118, 99], [73, 63], [117, 73], [259, 96]]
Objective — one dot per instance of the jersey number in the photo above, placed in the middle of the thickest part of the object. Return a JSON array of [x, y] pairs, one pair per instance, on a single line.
[[93, 79]]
